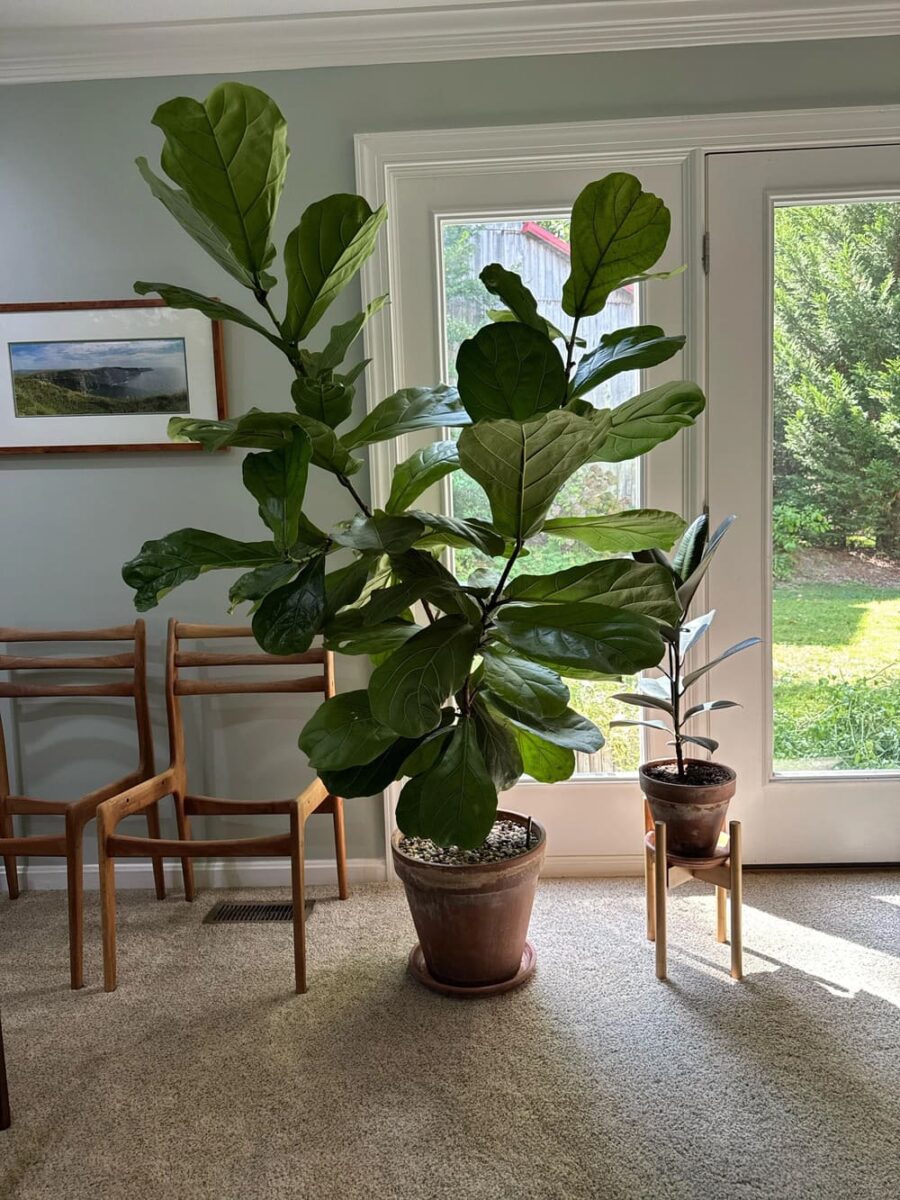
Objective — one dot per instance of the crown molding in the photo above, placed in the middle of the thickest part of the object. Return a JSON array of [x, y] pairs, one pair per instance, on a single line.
[[452, 31]]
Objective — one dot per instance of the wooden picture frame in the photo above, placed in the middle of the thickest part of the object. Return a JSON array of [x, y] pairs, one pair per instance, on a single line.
[[179, 346]]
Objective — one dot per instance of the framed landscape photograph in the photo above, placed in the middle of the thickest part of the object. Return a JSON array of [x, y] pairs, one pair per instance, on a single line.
[[105, 375]]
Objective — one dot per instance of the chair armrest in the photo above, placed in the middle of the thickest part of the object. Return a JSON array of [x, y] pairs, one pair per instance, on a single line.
[[133, 800], [311, 797]]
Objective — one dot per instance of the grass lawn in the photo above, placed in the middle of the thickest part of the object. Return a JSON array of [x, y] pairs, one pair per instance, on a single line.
[[836, 656]]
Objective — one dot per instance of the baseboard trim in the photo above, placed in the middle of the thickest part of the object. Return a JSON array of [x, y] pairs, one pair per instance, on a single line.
[[209, 873], [592, 866]]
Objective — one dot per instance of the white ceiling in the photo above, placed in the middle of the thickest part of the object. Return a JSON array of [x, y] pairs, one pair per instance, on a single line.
[[44, 40]]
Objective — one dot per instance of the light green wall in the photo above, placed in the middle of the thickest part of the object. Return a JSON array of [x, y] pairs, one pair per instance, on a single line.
[[77, 223]]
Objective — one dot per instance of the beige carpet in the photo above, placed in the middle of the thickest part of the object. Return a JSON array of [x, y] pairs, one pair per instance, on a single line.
[[203, 1076]]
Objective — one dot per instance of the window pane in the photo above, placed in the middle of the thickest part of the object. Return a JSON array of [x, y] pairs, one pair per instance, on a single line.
[[538, 250], [836, 502]]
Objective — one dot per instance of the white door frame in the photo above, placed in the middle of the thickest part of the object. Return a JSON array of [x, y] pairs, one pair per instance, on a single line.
[[384, 160]]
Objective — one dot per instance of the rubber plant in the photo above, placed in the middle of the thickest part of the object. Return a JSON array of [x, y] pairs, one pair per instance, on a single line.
[[464, 700], [668, 692]]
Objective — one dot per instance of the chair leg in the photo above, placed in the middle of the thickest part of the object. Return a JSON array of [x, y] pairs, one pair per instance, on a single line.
[[737, 901], [660, 882], [183, 822], [9, 860], [650, 893], [107, 867], [340, 846], [153, 829], [298, 895], [75, 880]]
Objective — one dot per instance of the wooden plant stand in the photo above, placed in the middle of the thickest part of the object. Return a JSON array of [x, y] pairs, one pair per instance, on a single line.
[[663, 871]]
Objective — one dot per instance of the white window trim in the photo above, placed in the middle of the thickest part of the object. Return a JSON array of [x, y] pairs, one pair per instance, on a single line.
[[382, 159]]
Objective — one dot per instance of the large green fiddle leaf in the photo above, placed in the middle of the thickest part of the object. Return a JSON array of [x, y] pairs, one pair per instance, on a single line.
[[255, 585], [418, 472], [523, 683], [622, 532], [408, 411], [429, 579], [648, 589], [347, 633], [372, 777], [229, 154], [498, 747], [455, 531], [333, 240], [163, 564], [343, 336], [194, 223], [635, 427], [343, 733], [568, 729], [508, 287], [277, 481], [289, 617], [409, 688], [522, 465], [216, 310], [267, 431], [617, 232], [386, 533], [632, 349], [510, 370], [344, 585], [454, 803], [542, 760], [323, 398], [581, 634]]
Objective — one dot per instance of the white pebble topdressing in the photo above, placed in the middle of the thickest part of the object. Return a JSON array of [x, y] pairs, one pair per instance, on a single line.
[[506, 840]]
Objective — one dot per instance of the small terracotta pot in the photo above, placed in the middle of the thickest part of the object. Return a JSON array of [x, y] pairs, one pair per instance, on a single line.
[[694, 815], [472, 920]]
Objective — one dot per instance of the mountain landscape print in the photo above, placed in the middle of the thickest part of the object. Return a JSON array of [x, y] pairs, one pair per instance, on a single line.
[[90, 378]]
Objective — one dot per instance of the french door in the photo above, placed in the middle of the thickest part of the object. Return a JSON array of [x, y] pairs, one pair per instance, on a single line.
[[448, 224], [803, 431]]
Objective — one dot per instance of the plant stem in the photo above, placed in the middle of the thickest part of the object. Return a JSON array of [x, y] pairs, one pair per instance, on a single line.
[[345, 482], [675, 676], [570, 348], [501, 582]]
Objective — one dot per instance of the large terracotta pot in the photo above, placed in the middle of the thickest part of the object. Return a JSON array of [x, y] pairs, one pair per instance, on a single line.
[[694, 815], [472, 920]]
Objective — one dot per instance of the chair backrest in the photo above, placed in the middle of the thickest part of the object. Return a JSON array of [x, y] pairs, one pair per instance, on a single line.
[[179, 658], [133, 660]]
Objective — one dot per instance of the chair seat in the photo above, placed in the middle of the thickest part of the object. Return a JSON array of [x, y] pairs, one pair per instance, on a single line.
[[200, 806]]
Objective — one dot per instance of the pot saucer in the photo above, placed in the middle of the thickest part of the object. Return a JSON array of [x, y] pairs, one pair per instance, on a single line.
[[418, 968], [696, 864]]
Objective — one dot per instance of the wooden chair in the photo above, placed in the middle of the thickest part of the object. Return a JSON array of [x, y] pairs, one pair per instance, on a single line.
[[79, 812], [173, 782]]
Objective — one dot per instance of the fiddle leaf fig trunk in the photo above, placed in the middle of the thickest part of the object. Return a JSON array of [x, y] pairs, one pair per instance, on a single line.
[[467, 690]]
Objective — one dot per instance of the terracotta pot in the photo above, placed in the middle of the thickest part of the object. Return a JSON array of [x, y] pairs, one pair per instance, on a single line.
[[694, 815], [472, 920]]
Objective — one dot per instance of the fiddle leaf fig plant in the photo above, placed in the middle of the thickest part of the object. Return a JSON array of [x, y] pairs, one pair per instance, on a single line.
[[666, 693], [468, 688]]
